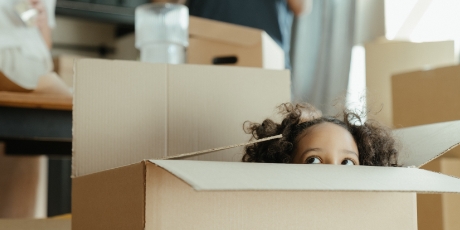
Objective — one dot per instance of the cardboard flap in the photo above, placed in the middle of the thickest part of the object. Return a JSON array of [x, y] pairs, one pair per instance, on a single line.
[[422, 144], [222, 31], [209, 176]]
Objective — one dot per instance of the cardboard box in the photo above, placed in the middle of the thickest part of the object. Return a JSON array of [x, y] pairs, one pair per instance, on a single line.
[[383, 59], [34, 224], [169, 194], [440, 211], [423, 97], [63, 66], [214, 42], [426, 96], [154, 110]]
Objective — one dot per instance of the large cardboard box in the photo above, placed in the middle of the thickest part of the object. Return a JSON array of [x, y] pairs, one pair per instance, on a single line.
[[154, 110], [63, 66], [169, 194], [35, 224], [424, 97], [440, 211], [385, 58], [214, 42]]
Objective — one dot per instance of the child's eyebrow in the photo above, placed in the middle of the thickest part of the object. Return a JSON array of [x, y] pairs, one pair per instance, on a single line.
[[349, 152], [311, 149]]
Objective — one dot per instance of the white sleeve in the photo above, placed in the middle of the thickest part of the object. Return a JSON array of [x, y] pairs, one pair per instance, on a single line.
[[50, 9], [24, 56]]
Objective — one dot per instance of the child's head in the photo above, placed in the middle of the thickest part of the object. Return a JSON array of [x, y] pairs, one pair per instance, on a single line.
[[311, 138]]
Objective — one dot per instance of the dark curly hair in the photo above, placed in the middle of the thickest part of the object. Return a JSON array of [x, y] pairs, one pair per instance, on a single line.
[[376, 146]]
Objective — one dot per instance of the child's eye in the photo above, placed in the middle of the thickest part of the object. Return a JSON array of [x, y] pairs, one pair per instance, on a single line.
[[313, 160], [348, 162]]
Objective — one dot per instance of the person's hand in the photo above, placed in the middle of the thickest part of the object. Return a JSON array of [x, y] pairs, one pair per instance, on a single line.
[[299, 7], [42, 21]]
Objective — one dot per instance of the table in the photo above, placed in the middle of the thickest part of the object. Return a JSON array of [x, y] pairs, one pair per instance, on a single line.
[[31, 124]]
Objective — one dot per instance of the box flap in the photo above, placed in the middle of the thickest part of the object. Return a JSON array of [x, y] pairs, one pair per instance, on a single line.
[[222, 31], [422, 144], [209, 176]]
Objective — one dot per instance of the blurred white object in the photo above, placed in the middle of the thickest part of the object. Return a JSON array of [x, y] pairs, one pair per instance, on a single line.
[[22, 46], [162, 32], [26, 12]]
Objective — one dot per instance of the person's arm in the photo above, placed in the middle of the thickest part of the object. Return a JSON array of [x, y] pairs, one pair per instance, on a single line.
[[299, 7], [42, 21]]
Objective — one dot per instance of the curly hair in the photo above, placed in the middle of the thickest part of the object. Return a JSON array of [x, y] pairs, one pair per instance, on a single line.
[[376, 145]]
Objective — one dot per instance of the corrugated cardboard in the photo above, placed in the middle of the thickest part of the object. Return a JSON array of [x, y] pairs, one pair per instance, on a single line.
[[440, 211], [423, 97], [383, 59], [63, 66], [154, 110], [34, 224], [210, 39], [169, 194], [426, 96]]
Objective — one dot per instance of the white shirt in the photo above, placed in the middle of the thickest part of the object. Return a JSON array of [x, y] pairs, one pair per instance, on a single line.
[[22, 46]]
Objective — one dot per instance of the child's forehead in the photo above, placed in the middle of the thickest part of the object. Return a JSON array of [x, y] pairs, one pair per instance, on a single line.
[[325, 126]]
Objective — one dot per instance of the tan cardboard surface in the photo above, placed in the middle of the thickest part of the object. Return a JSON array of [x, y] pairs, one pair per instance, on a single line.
[[222, 31], [203, 52], [119, 107], [210, 176], [424, 143], [451, 202], [383, 59], [429, 206], [207, 106], [106, 199], [211, 39], [424, 97], [172, 204], [153, 110], [34, 224], [114, 198], [440, 211]]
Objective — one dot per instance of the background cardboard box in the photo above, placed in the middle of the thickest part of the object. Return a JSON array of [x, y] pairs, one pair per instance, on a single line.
[[170, 194], [211, 40], [35, 224], [385, 58], [63, 66], [154, 110], [424, 97]]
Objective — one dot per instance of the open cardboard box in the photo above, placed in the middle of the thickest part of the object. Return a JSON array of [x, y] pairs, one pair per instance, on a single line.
[[170, 194], [214, 42], [158, 110], [385, 58], [35, 224], [424, 97]]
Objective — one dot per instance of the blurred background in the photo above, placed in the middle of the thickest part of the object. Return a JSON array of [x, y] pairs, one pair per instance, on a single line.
[[339, 52]]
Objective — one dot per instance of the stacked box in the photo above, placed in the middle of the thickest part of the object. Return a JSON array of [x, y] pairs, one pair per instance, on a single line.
[[424, 97]]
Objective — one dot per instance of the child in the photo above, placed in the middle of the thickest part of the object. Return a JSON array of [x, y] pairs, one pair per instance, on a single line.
[[310, 138]]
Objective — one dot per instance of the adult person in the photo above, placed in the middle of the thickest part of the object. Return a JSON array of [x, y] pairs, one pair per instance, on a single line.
[[25, 43], [273, 16]]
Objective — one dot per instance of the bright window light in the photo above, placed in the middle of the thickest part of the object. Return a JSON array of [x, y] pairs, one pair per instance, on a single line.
[[356, 96], [423, 21]]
